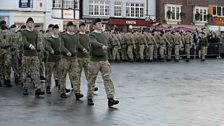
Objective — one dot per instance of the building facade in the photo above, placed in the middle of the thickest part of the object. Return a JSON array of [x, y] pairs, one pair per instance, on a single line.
[[18, 12], [193, 13], [121, 15]]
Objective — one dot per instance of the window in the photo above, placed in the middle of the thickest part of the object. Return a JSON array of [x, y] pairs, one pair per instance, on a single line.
[[68, 4], [218, 11], [57, 3], [76, 4], [117, 8], [134, 10], [203, 12], [99, 7], [172, 12]]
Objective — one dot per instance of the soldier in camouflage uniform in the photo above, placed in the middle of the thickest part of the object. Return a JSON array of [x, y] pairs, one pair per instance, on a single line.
[[142, 44], [42, 49], [170, 44], [187, 45], [116, 47], [14, 40], [99, 62], [131, 45], [137, 47], [178, 44], [203, 43], [30, 61], [162, 46], [124, 46], [149, 48], [109, 51], [5, 55], [156, 45]]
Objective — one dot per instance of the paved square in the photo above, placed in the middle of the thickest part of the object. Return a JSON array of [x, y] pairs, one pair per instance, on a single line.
[[150, 94]]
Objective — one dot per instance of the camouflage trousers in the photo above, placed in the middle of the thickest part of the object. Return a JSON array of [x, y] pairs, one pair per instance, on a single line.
[[177, 52], [15, 64], [169, 54], [136, 52], [70, 67], [5, 64], [155, 51], [104, 68], [130, 52], [116, 54], [141, 51], [82, 65], [202, 52], [187, 50], [109, 52], [31, 65], [41, 56], [162, 51], [149, 53], [124, 55], [50, 68]]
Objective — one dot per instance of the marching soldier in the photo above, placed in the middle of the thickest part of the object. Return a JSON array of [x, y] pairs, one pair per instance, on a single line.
[[116, 47], [178, 44], [131, 45], [30, 61], [156, 45], [99, 62], [109, 51], [170, 44], [188, 45], [5, 55], [69, 63], [14, 40], [150, 45], [162, 46], [142, 44], [121, 38], [53, 45], [41, 53], [137, 43]]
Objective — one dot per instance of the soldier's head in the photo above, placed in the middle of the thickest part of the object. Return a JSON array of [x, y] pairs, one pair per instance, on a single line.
[[70, 26], [55, 30], [97, 24], [3, 25], [82, 27], [37, 28], [13, 28], [30, 23], [23, 27], [50, 27]]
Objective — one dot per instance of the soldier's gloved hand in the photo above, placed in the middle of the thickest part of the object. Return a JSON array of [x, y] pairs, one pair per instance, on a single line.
[[85, 51], [32, 47], [69, 54], [52, 51], [104, 47]]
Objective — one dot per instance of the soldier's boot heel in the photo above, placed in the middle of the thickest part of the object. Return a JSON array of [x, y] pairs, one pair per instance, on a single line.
[[78, 96], [90, 102], [38, 92], [48, 90]]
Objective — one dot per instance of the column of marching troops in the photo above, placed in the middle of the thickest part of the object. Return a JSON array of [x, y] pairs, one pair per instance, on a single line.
[[154, 46], [31, 54]]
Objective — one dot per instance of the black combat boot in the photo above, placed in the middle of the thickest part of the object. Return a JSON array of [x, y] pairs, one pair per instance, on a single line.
[[177, 60], [0, 83], [48, 90], [187, 60], [63, 95], [25, 92], [7, 83], [17, 81], [78, 96], [39, 92], [202, 60], [56, 83], [90, 102], [96, 89], [112, 102]]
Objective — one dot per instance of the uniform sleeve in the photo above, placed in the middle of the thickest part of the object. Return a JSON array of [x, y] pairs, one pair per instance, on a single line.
[[48, 45], [63, 49], [93, 41]]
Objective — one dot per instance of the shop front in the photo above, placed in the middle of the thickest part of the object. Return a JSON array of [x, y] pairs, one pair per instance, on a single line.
[[127, 24]]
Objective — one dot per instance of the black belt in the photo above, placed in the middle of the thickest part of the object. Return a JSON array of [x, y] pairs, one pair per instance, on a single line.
[[177, 44]]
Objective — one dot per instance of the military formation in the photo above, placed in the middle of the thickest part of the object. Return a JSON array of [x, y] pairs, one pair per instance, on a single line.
[[155, 46], [35, 56]]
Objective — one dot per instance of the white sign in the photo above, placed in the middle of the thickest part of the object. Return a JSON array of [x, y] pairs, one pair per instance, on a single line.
[[131, 22], [69, 14]]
